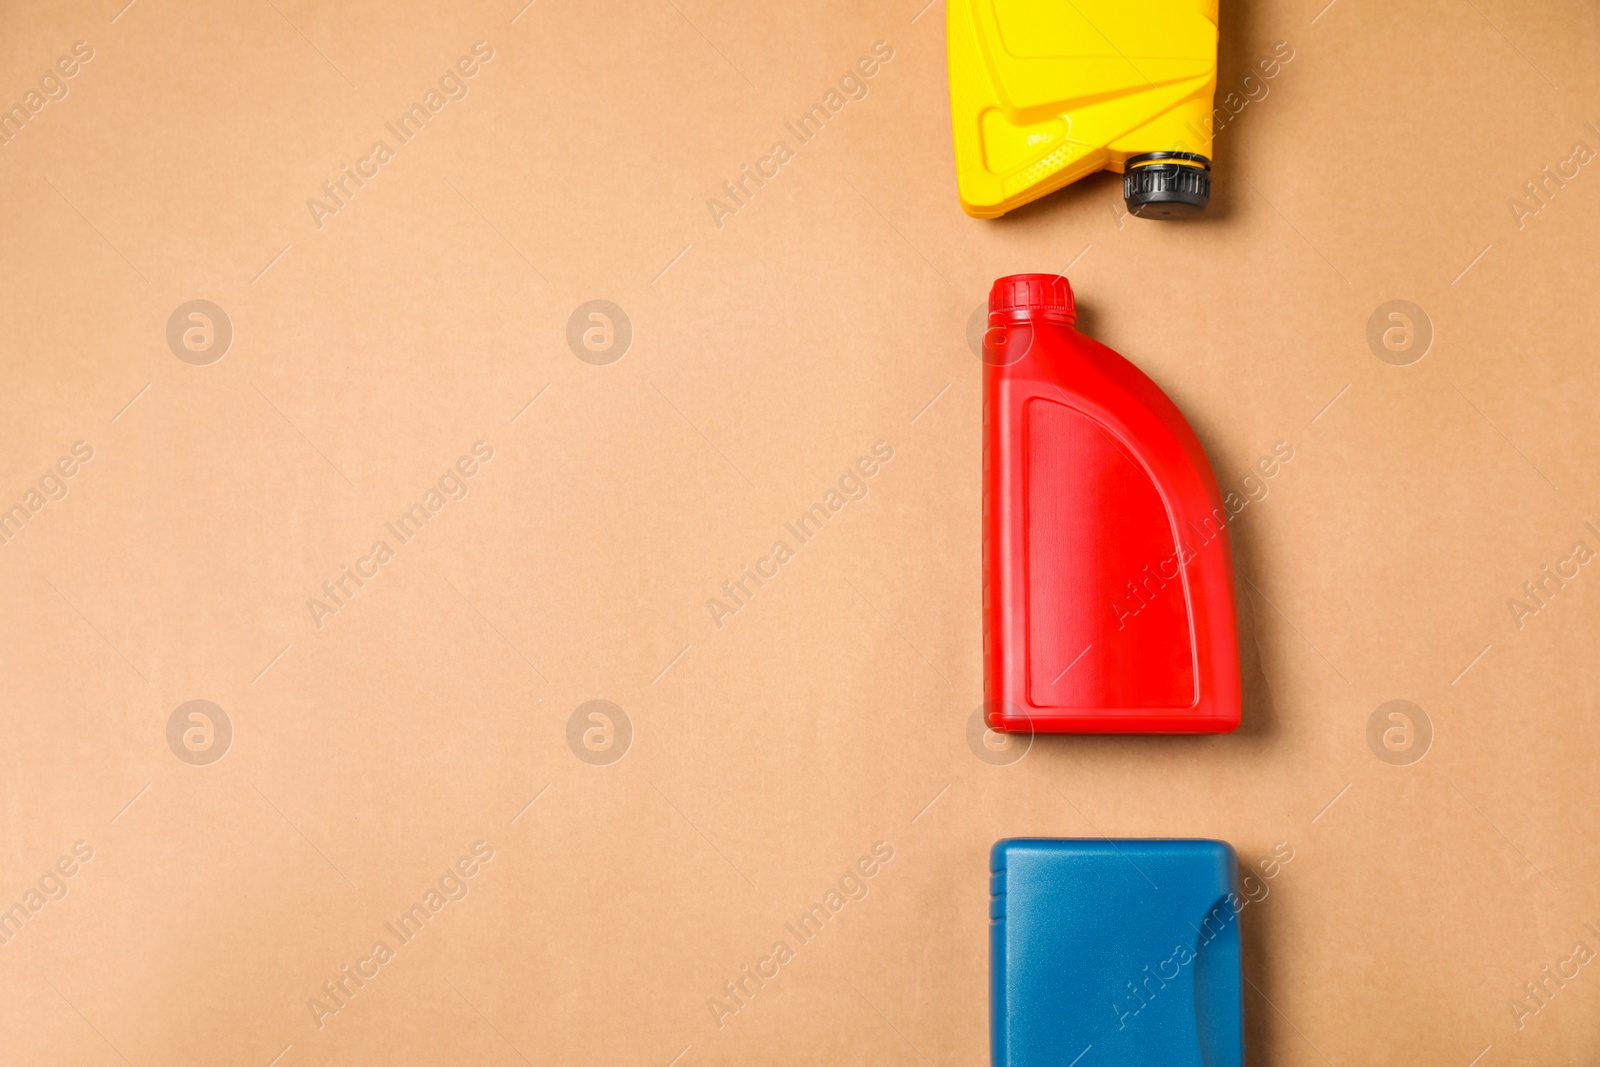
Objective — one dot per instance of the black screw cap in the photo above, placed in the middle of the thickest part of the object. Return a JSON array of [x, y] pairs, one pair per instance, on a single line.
[[1167, 185]]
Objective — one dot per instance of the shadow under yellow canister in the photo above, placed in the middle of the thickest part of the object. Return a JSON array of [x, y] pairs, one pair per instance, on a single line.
[[1044, 92]]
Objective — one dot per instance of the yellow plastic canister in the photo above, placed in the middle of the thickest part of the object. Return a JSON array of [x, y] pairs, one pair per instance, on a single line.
[[1043, 92]]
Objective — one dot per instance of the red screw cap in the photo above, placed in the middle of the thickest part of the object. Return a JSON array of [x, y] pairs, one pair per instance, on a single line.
[[1047, 294]]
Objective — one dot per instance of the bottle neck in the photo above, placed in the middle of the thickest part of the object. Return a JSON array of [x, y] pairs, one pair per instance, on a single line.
[[1031, 317], [1014, 334]]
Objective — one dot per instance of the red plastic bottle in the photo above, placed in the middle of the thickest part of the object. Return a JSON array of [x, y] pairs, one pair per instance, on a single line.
[[1108, 580]]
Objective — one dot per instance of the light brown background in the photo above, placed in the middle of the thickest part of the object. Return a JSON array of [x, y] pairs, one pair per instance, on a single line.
[[831, 712]]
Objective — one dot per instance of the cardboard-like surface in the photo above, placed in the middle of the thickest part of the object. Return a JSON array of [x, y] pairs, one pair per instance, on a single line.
[[375, 740]]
